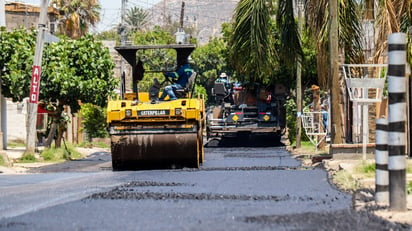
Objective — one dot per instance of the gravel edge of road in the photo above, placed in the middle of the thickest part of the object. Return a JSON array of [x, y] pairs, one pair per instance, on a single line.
[[363, 200]]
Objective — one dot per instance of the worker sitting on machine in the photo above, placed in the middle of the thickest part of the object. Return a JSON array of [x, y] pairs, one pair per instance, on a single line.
[[222, 89], [182, 74]]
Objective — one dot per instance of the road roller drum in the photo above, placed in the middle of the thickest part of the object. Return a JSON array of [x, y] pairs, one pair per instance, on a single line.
[[146, 151]]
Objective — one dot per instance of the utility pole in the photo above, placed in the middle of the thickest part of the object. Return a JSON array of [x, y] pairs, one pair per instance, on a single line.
[[3, 104], [164, 12], [2, 13], [336, 119], [123, 27], [3, 141], [122, 43], [35, 81], [182, 15], [299, 83], [180, 34]]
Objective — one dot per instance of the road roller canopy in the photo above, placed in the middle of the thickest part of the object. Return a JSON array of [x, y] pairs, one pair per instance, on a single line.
[[129, 54], [182, 51]]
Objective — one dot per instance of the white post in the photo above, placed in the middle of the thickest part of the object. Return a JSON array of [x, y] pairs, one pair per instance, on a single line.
[[381, 162], [396, 121], [365, 128]]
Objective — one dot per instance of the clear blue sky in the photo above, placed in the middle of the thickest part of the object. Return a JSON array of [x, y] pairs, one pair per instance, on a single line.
[[110, 13]]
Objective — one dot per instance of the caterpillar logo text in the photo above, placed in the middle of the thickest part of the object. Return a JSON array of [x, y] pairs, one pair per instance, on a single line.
[[153, 113]]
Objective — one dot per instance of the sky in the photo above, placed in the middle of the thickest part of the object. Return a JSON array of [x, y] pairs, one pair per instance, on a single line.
[[110, 12]]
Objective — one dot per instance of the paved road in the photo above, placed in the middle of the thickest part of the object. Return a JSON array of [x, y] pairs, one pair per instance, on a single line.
[[235, 189]]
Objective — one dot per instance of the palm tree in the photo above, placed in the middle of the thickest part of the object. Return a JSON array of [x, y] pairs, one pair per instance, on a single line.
[[136, 18], [252, 35], [393, 16], [316, 14], [78, 16], [251, 44]]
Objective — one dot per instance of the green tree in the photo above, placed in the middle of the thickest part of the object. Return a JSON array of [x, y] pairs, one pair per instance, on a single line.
[[392, 16], [112, 35], [16, 60], [72, 71], [154, 60], [251, 44], [76, 71], [78, 16], [316, 13], [209, 61], [136, 19], [94, 120]]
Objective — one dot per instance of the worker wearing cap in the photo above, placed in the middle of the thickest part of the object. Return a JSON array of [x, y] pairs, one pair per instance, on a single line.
[[223, 79]]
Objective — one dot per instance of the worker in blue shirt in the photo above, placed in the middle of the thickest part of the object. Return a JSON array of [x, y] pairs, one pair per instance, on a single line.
[[182, 74]]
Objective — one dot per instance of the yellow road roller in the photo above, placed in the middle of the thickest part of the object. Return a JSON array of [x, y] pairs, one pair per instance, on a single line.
[[147, 133]]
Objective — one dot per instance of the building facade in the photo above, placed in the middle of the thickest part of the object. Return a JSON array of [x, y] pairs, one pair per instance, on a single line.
[[27, 16]]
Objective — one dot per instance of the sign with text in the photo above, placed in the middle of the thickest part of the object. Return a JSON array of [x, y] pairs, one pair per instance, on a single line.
[[35, 85]]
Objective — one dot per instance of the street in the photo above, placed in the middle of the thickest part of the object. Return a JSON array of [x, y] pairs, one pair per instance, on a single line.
[[235, 189]]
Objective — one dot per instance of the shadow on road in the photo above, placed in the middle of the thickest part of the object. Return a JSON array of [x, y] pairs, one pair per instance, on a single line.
[[244, 142]]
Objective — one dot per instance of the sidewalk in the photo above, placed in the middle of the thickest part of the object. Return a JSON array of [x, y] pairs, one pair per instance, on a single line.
[[364, 196], [21, 168], [16, 168]]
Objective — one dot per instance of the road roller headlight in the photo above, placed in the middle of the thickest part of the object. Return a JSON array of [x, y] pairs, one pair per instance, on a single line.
[[128, 112], [178, 111]]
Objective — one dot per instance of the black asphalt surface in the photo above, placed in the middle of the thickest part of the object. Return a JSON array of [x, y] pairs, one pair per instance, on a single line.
[[236, 188]]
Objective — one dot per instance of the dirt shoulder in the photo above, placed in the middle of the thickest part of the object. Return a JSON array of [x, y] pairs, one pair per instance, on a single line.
[[94, 159], [341, 169]]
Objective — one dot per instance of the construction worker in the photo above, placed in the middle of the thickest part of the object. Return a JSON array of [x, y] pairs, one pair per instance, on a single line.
[[182, 74]]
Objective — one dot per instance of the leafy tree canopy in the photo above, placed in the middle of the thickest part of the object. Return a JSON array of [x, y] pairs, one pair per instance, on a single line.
[[78, 17], [251, 43], [210, 60], [77, 70], [136, 18], [72, 70], [155, 59], [16, 60]]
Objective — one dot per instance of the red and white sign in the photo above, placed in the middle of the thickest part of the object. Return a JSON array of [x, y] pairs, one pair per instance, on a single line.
[[35, 85]]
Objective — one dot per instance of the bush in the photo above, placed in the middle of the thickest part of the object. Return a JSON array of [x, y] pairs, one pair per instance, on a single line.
[[58, 154], [366, 168], [291, 117], [199, 91], [27, 158], [16, 143], [410, 187], [345, 181], [93, 144], [94, 120], [2, 162]]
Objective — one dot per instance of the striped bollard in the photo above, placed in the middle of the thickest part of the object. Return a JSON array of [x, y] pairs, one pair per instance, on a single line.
[[381, 161], [396, 121]]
